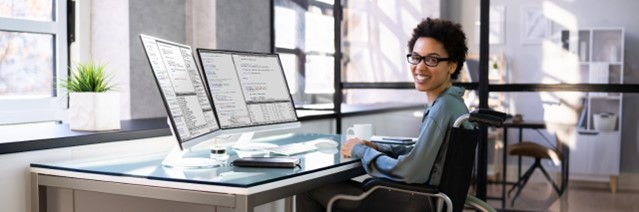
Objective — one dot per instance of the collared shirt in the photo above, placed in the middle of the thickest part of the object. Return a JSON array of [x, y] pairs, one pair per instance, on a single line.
[[419, 163]]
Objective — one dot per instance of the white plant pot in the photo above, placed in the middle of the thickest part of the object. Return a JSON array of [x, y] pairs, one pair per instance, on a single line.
[[89, 111]]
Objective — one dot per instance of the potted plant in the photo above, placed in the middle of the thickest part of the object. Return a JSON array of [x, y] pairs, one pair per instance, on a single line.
[[92, 105]]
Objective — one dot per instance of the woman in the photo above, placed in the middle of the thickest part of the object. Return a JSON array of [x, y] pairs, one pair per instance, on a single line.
[[437, 52]]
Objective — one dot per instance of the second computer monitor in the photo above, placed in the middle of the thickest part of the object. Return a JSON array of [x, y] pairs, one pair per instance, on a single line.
[[248, 90]]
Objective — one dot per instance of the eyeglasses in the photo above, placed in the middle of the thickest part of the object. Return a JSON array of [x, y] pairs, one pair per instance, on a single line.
[[428, 60]]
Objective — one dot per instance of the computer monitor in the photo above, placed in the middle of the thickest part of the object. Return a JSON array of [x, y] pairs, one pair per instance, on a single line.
[[187, 103], [249, 92]]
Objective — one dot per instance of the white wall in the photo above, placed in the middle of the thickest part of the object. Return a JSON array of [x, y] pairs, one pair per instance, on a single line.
[[110, 45]]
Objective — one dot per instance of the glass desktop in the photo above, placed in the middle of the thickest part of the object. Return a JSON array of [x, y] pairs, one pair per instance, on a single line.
[[150, 166]]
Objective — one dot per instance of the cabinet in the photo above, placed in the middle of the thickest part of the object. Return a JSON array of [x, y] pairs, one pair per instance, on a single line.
[[600, 56]]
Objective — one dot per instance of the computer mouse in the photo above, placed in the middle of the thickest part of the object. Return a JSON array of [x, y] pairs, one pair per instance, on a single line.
[[325, 143]]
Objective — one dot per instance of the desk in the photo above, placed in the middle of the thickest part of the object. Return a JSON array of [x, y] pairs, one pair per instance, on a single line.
[[225, 188], [521, 126]]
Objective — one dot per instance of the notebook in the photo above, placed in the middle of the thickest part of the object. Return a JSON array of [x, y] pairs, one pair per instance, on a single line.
[[393, 140], [274, 162]]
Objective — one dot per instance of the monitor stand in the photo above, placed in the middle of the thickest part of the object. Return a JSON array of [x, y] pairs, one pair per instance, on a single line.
[[197, 157], [243, 143], [186, 159]]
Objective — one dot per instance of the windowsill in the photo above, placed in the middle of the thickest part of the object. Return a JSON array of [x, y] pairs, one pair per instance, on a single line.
[[30, 138], [24, 138]]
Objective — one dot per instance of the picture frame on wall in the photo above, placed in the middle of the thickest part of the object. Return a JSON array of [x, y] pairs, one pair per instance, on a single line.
[[535, 25]]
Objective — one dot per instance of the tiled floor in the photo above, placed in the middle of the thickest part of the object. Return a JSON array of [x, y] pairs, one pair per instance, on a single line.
[[580, 196]]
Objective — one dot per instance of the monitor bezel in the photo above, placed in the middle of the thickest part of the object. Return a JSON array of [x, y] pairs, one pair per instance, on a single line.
[[249, 128], [183, 144]]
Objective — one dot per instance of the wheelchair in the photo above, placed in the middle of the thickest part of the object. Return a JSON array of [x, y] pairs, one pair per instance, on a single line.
[[452, 192]]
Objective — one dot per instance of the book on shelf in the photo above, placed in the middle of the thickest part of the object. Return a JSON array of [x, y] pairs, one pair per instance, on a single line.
[[581, 123]]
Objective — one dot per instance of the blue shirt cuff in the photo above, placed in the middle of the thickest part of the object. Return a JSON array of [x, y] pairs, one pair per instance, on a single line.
[[358, 150]]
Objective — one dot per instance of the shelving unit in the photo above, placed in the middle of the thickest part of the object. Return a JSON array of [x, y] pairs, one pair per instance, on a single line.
[[596, 153]]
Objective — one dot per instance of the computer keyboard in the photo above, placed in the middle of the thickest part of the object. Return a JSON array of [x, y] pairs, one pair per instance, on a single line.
[[292, 149]]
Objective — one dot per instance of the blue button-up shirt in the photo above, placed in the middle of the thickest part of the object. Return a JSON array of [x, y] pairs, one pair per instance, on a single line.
[[419, 163]]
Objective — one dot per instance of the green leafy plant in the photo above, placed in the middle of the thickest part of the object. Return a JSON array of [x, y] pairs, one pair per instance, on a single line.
[[87, 77]]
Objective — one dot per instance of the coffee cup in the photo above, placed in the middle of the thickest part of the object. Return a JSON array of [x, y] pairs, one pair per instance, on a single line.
[[362, 131]]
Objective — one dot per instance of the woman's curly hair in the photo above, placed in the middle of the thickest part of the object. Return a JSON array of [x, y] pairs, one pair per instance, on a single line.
[[448, 33]]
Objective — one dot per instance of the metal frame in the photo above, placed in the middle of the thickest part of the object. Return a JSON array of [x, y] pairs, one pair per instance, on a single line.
[[238, 202], [442, 197]]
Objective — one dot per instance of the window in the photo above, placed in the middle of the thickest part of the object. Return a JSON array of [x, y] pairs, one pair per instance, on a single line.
[[33, 57], [375, 40], [374, 37], [304, 39]]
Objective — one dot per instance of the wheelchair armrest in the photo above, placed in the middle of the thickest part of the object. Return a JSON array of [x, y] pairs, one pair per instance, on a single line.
[[418, 188], [501, 115], [488, 117]]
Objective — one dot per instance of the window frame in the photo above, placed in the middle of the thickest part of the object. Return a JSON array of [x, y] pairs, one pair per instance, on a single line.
[[53, 108]]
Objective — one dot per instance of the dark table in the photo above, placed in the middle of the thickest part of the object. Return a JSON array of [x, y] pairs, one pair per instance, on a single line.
[[520, 126]]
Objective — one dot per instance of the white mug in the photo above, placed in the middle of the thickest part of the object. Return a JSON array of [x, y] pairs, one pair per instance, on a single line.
[[363, 131]]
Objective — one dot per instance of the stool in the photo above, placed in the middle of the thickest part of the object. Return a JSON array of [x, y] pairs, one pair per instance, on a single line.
[[538, 152]]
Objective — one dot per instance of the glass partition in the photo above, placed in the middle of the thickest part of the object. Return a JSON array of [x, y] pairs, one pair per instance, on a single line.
[[552, 42]]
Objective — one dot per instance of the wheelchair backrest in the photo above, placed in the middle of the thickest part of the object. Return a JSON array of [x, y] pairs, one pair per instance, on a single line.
[[458, 165]]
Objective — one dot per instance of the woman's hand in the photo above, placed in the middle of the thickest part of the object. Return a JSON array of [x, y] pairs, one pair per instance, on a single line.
[[348, 145]]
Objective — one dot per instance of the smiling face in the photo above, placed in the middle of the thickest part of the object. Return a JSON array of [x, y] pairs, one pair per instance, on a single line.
[[432, 80]]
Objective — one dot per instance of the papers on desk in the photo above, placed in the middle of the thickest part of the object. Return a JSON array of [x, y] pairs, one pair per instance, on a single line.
[[393, 140]]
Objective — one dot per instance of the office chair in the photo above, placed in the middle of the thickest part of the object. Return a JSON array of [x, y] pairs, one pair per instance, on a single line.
[[456, 175], [539, 152]]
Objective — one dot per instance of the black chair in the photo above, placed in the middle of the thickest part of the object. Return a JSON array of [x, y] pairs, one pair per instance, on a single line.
[[456, 176]]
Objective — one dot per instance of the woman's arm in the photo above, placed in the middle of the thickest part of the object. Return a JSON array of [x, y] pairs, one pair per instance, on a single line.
[[347, 147], [413, 167]]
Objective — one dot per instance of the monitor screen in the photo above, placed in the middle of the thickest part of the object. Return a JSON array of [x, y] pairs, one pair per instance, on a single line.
[[247, 89], [181, 86]]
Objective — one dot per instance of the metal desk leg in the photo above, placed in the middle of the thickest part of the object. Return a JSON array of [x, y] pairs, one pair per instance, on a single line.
[[242, 204], [288, 204], [35, 194], [503, 169], [521, 136]]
